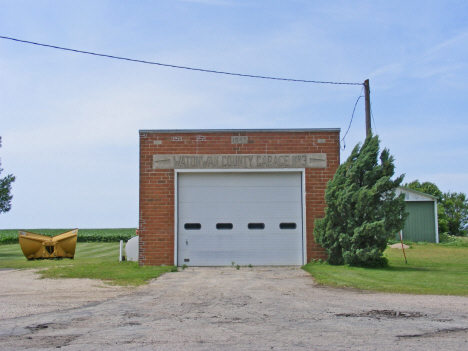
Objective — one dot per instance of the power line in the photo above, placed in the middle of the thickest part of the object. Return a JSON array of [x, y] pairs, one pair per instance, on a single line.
[[350, 122], [174, 66]]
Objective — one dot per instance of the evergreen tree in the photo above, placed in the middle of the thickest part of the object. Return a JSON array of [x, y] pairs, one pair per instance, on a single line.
[[363, 211], [5, 189]]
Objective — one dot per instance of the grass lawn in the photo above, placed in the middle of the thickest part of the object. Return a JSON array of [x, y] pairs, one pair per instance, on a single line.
[[431, 269], [92, 260]]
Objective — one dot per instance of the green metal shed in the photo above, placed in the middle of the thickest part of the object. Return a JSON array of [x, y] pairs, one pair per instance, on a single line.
[[421, 224]]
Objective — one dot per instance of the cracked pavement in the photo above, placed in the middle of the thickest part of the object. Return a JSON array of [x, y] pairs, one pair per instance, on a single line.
[[261, 308]]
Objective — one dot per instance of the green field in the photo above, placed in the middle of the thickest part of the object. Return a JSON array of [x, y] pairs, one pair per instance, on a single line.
[[10, 236], [92, 260], [432, 269]]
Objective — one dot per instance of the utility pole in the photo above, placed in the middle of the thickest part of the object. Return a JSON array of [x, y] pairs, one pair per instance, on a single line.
[[367, 98]]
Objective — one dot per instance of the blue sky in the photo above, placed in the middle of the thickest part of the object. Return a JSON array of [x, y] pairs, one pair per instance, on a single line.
[[70, 122]]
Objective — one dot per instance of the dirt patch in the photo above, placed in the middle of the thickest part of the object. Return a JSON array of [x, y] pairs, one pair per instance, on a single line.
[[398, 246]]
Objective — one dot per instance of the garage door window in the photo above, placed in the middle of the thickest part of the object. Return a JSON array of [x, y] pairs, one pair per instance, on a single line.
[[287, 225], [224, 226], [256, 225], [192, 226]]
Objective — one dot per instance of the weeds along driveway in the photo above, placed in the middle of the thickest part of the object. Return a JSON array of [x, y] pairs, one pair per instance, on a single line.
[[267, 308]]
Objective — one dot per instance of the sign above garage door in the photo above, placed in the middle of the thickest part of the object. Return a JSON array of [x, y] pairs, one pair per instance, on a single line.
[[254, 161]]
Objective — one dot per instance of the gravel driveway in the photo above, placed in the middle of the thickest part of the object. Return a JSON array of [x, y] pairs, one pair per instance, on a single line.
[[268, 308]]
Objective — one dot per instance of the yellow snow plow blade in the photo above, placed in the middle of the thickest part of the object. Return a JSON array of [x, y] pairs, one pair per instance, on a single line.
[[42, 246]]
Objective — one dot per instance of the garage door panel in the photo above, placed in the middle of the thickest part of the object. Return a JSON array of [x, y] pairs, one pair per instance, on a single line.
[[239, 194], [239, 199], [261, 241], [233, 179], [240, 210], [243, 258], [266, 242]]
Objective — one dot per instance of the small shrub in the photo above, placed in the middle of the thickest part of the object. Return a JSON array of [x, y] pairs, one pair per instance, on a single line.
[[447, 238], [184, 266], [237, 267], [452, 240]]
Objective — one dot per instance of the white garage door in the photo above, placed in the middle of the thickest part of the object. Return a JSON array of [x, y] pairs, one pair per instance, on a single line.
[[245, 218]]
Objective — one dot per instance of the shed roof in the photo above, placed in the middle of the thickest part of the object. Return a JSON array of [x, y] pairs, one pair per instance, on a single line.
[[417, 195]]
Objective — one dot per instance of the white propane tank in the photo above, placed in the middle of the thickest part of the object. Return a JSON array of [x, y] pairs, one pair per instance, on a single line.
[[131, 249]]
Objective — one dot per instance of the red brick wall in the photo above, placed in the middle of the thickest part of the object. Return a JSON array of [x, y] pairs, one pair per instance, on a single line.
[[157, 185]]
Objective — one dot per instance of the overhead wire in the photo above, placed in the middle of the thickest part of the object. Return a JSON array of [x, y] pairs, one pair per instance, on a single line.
[[176, 66]]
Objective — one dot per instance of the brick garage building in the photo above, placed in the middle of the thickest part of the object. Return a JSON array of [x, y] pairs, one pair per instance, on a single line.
[[214, 197]]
